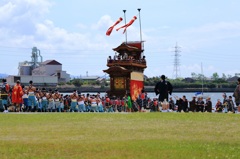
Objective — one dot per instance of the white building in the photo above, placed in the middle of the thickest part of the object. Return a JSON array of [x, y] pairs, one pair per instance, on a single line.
[[37, 80], [51, 68], [47, 73]]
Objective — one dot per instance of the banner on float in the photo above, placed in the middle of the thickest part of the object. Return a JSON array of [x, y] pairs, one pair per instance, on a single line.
[[136, 84]]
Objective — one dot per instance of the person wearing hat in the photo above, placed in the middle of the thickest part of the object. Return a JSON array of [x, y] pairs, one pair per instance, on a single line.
[[236, 95], [17, 94], [163, 88]]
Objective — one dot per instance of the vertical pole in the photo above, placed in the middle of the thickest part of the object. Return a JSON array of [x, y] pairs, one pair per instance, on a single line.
[[124, 11], [139, 9], [202, 77]]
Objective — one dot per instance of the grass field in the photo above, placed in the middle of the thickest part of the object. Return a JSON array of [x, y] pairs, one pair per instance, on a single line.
[[117, 135]]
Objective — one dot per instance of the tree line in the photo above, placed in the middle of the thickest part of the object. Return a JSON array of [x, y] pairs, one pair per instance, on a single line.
[[195, 81]]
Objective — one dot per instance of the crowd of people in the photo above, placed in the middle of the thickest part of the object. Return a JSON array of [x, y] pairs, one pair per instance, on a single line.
[[31, 99]]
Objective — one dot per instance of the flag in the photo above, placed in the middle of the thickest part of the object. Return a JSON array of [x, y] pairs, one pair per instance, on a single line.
[[128, 24], [109, 31]]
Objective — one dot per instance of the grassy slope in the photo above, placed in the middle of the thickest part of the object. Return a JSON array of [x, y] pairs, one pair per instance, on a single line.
[[136, 135]]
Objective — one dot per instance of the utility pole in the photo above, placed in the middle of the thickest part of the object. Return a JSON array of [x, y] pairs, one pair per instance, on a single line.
[[176, 67]]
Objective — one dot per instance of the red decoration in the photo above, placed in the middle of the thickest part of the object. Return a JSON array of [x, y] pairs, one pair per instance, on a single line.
[[128, 24], [109, 31]]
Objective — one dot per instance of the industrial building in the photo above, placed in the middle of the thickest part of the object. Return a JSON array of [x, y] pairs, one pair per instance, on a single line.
[[47, 73]]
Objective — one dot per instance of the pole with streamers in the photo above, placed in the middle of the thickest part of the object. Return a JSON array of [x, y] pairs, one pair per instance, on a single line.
[[139, 9], [124, 11]]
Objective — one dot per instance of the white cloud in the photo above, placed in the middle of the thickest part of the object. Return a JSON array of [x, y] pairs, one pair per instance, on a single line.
[[18, 18], [18, 11], [208, 35], [199, 44], [103, 23], [6, 12], [23, 23], [81, 26]]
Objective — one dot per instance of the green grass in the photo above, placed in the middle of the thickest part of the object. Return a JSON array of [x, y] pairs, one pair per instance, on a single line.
[[134, 135]]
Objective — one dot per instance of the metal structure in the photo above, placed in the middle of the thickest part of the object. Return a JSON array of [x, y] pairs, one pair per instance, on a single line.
[[26, 67], [35, 55], [176, 68]]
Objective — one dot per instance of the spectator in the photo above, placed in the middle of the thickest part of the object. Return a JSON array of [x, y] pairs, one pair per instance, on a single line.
[[32, 102], [154, 105], [193, 104], [163, 88], [200, 104], [129, 103], [231, 107], [185, 104], [225, 102], [73, 97], [208, 106], [142, 100], [236, 95], [171, 104], [5, 89], [17, 94], [219, 106]]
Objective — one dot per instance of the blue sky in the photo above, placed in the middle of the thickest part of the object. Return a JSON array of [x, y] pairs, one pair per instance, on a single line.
[[73, 33]]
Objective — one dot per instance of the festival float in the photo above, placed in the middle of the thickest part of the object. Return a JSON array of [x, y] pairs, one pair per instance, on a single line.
[[126, 67]]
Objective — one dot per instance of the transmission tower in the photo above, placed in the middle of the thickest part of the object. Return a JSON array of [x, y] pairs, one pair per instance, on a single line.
[[176, 68]]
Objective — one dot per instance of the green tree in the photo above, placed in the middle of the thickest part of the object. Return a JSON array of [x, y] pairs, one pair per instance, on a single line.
[[215, 76], [77, 82], [194, 75], [229, 76], [224, 77]]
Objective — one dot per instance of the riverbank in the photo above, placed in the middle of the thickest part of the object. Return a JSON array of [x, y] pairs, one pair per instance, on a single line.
[[147, 89]]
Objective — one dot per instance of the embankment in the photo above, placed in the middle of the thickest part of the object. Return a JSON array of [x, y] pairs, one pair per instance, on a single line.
[[147, 89]]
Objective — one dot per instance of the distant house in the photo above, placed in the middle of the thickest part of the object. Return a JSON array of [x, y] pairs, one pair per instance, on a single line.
[[51, 68], [90, 78], [188, 80], [233, 79], [145, 77]]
